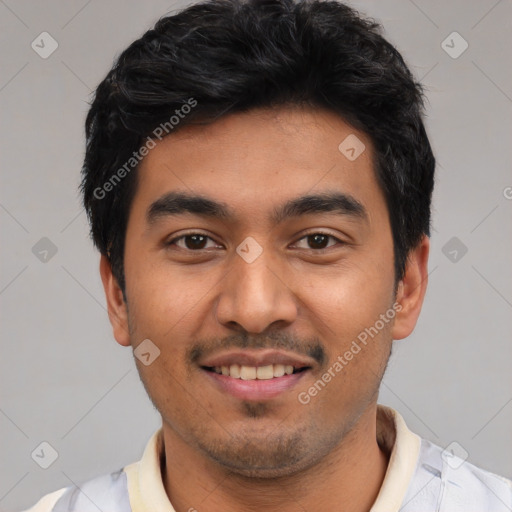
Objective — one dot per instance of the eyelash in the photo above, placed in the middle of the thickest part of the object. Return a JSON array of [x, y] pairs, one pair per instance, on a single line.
[[174, 240]]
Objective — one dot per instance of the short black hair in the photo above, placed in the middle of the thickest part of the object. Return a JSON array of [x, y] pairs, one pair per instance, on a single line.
[[224, 56]]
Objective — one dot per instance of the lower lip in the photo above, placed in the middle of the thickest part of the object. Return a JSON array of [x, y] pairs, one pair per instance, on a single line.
[[255, 389]]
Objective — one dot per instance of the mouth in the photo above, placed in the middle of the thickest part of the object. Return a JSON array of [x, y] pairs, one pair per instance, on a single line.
[[256, 375], [267, 372]]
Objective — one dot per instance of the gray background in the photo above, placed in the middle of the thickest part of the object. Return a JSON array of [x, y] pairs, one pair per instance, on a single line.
[[64, 380]]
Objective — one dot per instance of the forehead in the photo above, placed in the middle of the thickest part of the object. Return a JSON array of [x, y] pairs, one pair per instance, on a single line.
[[254, 159]]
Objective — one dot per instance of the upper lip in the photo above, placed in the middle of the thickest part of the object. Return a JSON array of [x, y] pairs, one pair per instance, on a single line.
[[262, 357]]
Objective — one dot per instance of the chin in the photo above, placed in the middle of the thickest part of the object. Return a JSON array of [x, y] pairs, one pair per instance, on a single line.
[[280, 458]]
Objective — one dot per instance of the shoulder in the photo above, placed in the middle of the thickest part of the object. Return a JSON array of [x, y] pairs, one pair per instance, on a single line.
[[105, 492], [448, 481]]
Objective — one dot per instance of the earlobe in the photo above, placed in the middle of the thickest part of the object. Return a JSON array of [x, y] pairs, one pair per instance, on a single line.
[[411, 290], [116, 306]]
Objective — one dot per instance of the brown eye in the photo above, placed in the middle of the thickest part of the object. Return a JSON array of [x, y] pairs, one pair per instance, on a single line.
[[319, 241], [192, 242]]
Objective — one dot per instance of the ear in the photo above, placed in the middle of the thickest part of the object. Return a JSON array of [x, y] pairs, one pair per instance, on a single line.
[[117, 308], [411, 290]]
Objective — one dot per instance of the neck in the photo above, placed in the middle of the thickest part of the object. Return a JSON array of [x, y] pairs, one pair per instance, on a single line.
[[349, 478]]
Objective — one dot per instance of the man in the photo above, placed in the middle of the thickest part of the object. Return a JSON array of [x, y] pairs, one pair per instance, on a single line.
[[258, 180]]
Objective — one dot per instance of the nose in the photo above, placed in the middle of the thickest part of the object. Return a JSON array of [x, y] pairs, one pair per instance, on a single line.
[[254, 296]]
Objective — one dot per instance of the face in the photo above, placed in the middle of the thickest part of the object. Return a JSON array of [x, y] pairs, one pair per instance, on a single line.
[[256, 248]]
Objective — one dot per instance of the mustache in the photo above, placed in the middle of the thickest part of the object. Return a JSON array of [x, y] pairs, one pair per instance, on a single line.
[[283, 341]]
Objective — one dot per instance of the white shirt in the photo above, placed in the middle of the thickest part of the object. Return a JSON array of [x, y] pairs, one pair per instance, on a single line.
[[421, 477]]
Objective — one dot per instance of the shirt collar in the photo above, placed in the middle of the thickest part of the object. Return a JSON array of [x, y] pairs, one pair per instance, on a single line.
[[404, 447]]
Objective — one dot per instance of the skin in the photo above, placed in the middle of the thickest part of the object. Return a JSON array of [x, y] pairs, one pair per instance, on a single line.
[[224, 453]]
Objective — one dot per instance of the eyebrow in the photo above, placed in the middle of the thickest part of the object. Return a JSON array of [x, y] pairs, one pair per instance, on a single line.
[[179, 203]]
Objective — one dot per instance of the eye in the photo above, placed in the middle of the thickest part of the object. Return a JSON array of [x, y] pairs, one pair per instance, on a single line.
[[199, 241], [319, 241], [191, 241]]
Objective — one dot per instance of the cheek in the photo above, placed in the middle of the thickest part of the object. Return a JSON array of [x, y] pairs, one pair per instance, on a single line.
[[160, 294], [168, 306], [350, 294], [345, 309]]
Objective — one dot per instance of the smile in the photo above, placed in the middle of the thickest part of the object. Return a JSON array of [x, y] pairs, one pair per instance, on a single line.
[[255, 383], [267, 372]]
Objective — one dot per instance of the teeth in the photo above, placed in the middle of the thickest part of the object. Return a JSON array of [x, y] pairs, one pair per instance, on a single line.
[[267, 372], [248, 372], [234, 371], [278, 370]]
